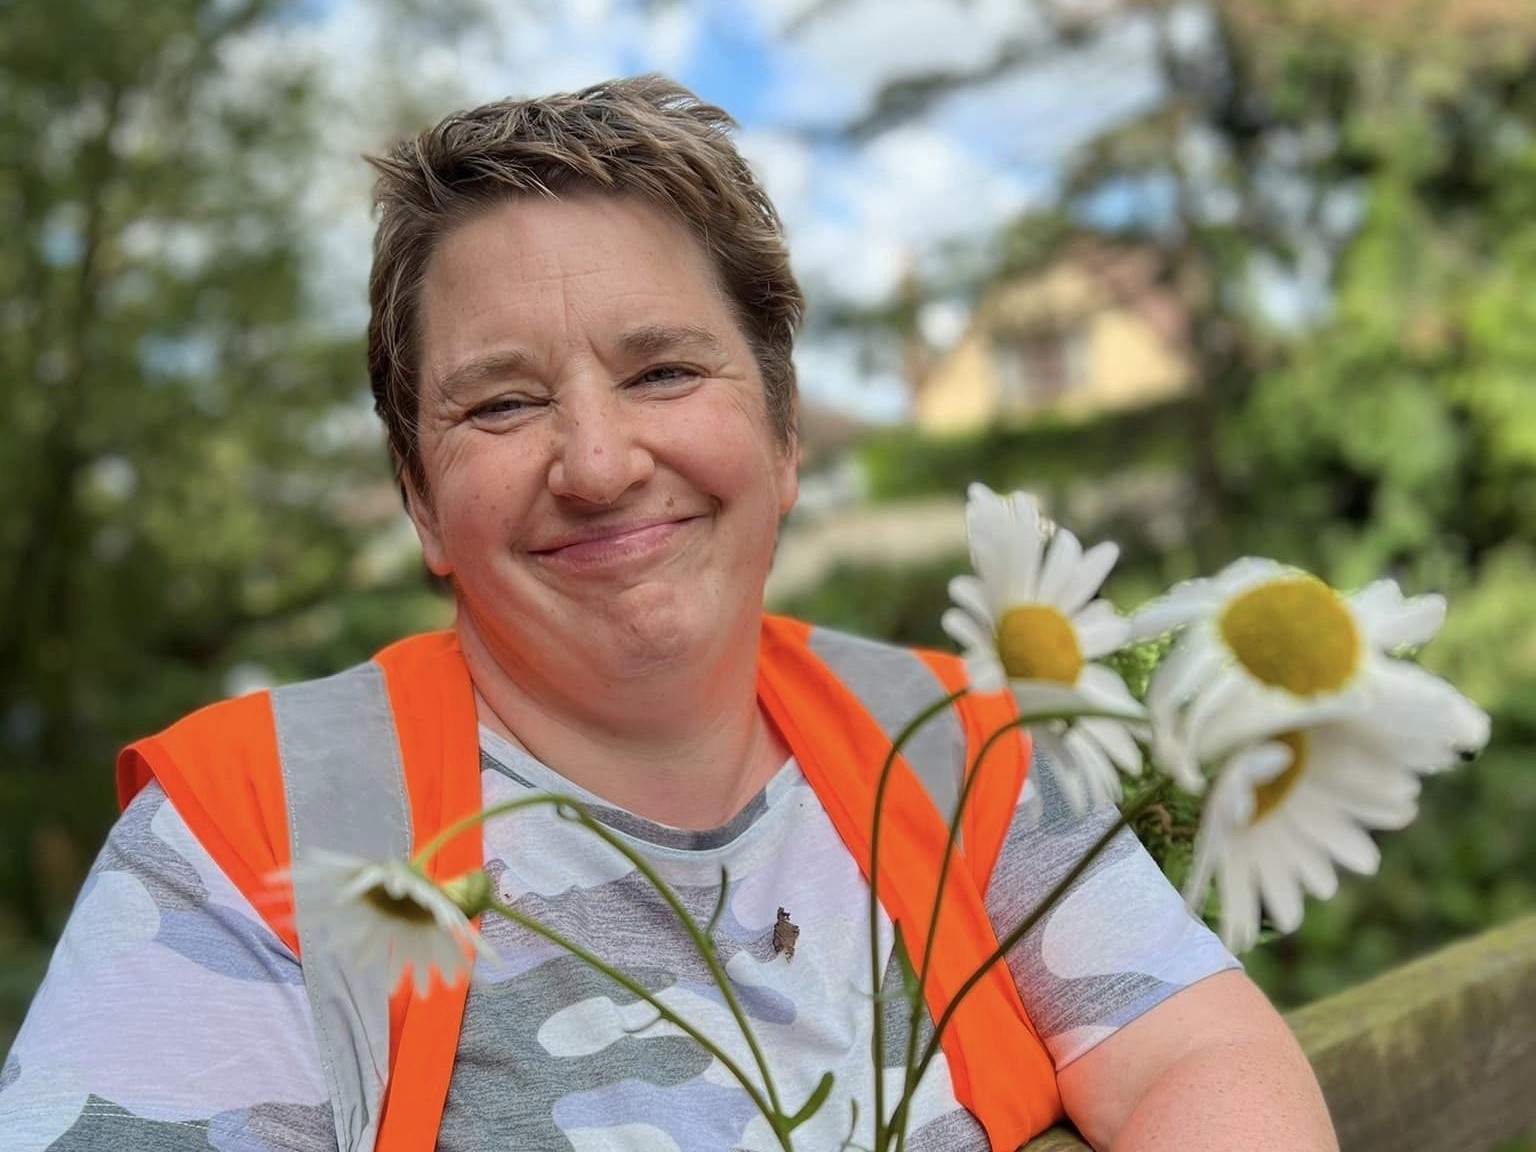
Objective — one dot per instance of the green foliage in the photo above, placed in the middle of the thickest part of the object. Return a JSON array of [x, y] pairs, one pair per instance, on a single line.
[[900, 605], [1044, 456], [184, 494]]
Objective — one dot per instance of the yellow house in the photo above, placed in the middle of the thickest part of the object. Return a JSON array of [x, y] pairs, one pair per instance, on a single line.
[[1093, 331]]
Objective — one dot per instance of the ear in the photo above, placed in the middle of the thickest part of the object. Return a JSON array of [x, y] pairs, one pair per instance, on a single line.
[[419, 508]]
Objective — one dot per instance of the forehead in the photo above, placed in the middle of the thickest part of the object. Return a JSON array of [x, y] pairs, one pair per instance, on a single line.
[[537, 272]]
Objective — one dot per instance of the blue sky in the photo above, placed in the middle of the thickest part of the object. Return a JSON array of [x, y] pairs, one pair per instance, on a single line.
[[731, 65]]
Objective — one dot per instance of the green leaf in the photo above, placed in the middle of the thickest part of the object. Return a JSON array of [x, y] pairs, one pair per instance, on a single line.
[[909, 982], [817, 1098], [714, 917]]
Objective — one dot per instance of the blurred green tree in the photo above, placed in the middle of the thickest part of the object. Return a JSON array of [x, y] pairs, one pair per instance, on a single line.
[[1367, 161], [192, 471]]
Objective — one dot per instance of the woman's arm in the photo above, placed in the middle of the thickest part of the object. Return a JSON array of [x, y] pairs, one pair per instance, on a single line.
[[1213, 1066], [1159, 1038]]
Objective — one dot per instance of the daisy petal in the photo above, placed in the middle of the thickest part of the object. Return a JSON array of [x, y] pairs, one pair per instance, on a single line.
[[1116, 743], [1060, 760], [1108, 692], [1429, 725], [1092, 568], [971, 595], [1042, 699], [1195, 659], [1060, 571], [1086, 767], [1281, 893], [984, 671], [1239, 904], [1177, 608], [1100, 629], [964, 630], [1192, 599], [1392, 621], [988, 527], [1026, 544]]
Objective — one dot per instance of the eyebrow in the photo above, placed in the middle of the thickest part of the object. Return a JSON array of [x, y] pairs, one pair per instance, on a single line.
[[651, 339], [485, 369], [645, 340]]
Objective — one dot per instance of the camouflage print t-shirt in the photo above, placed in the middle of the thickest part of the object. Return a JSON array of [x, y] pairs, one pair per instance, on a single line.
[[172, 1018]]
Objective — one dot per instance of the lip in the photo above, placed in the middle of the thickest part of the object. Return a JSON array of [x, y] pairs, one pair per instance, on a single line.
[[604, 545]]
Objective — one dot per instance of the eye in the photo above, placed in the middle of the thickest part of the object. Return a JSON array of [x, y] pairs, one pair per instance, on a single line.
[[501, 409], [664, 374]]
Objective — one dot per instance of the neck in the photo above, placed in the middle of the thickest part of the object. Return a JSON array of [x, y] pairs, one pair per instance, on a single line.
[[685, 745]]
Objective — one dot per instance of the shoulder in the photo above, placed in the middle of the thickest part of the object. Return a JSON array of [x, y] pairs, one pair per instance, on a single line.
[[220, 767], [1116, 944]]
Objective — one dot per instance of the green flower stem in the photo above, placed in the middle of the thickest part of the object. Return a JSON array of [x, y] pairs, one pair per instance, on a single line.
[[775, 1117], [1142, 802], [877, 1035], [703, 945], [701, 942], [919, 1005], [459, 827]]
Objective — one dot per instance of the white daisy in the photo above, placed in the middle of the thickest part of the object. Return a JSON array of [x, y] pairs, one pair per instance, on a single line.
[[1028, 621], [1287, 807], [388, 913], [1316, 732], [1284, 634]]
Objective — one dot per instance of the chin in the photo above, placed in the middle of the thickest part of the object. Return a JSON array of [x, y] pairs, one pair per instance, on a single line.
[[658, 626], [653, 627]]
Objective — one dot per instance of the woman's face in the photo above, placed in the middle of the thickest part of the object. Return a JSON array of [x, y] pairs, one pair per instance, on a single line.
[[604, 485]]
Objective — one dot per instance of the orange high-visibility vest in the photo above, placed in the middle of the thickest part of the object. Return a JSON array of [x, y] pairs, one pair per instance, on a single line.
[[220, 768]]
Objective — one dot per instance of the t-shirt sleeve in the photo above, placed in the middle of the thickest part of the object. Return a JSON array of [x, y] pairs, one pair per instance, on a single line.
[[171, 1016], [1118, 942]]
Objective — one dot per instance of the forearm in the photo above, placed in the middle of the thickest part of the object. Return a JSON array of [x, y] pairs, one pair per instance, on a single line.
[[1225, 1096]]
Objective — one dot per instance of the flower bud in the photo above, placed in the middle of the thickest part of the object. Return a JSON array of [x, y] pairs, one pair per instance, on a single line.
[[471, 893]]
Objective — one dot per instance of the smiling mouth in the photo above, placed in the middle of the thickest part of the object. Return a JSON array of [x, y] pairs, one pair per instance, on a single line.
[[618, 545]]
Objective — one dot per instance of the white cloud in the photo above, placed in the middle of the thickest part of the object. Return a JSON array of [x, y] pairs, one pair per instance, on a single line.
[[892, 207], [837, 61]]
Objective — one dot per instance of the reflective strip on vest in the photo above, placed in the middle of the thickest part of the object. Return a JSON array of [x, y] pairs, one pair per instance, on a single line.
[[345, 792], [894, 684]]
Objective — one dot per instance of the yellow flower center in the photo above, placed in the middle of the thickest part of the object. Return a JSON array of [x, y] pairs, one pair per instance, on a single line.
[[1039, 643], [397, 907], [1294, 633], [1268, 797]]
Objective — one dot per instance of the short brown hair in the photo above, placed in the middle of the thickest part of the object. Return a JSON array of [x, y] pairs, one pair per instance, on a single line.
[[646, 137]]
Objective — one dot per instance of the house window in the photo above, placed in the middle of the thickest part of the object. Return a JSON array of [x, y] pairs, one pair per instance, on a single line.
[[1038, 366]]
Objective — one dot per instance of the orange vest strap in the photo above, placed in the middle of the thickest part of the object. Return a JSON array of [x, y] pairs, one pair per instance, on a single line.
[[220, 768], [995, 792], [998, 1065]]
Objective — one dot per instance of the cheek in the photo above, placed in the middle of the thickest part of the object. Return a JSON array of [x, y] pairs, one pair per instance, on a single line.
[[725, 446], [485, 493]]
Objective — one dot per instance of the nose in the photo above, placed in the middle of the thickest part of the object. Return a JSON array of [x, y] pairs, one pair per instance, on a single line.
[[598, 455]]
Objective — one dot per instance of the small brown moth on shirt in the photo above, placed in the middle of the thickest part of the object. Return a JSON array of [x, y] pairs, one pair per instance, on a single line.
[[784, 935]]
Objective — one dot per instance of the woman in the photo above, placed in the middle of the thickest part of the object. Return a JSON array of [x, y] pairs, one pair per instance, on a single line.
[[582, 324]]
